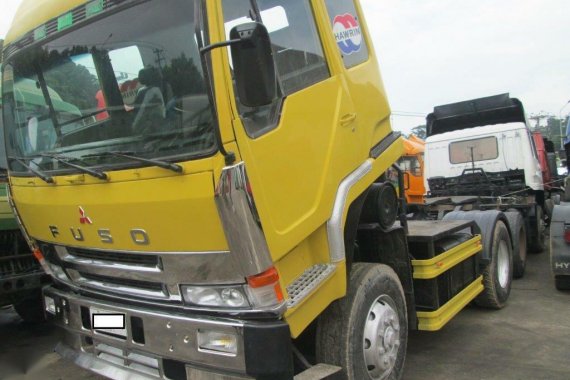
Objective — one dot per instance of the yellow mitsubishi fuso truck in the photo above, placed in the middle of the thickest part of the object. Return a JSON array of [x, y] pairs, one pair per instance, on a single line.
[[206, 183]]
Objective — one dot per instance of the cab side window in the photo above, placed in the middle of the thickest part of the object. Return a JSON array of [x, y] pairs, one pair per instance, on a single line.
[[297, 51], [347, 32]]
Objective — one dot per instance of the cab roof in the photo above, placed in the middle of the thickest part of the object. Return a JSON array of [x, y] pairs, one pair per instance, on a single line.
[[33, 13]]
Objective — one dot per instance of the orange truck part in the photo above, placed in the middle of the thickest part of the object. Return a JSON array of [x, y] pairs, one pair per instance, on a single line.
[[412, 162]]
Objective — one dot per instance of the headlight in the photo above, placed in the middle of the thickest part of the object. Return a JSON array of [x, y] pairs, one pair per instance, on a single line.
[[216, 296], [217, 342]]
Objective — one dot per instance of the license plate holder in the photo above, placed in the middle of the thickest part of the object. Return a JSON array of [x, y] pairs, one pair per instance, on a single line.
[[108, 322]]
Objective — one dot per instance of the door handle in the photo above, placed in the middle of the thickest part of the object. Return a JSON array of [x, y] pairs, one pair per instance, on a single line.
[[347, 119]]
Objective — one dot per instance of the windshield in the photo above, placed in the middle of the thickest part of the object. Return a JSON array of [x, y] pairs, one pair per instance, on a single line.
[[129, 82]]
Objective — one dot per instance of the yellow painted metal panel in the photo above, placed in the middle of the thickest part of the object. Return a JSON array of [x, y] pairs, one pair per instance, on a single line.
[[435, 320], [33, 13], [177, 211], [427, 269]]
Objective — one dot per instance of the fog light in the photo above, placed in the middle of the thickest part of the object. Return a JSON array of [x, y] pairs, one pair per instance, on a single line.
[[49, 304], [216, 296], [217, 342]]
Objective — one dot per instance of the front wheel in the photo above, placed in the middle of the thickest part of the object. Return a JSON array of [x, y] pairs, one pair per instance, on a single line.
[[30, 308], [366, 332]]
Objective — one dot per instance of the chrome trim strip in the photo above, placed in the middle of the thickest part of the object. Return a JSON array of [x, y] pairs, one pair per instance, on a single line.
[[103, 250], [241, 223], [335, 231]]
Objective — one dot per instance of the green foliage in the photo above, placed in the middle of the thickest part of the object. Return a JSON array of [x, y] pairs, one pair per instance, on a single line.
[[420, 131], [74, 84], [183, 75], [554, 130]]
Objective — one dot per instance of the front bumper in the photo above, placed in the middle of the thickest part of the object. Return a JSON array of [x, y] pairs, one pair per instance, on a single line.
[[163, 345]]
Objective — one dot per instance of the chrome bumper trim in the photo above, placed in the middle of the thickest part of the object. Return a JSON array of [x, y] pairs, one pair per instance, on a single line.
[[99, 366], [166, 336]]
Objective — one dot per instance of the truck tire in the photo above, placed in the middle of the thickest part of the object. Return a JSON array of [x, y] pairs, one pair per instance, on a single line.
[[518, 237], [30, 308], [498, 275], [497, 249], [562, 282], [536, 243], [366, 332]]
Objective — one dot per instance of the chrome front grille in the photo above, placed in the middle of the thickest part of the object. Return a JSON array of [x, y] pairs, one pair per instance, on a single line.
[[116, 257], [145, 275]]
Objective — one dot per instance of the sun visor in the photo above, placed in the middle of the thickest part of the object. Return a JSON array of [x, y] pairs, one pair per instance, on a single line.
[[498, 109]]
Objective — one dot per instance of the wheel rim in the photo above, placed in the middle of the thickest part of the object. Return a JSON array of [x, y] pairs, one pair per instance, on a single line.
[[381, 338], [503, 264]]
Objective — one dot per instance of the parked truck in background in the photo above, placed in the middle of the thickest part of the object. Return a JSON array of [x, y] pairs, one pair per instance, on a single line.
[[412, 163], [236, 218], [21, 276], [480, 155]]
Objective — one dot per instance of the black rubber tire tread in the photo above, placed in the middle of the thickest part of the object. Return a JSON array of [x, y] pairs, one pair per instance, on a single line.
[[536, 243], [562, 282], [488, 221], [548, 207], [518, 237], [31, 309], [340, 328], [495, 297]]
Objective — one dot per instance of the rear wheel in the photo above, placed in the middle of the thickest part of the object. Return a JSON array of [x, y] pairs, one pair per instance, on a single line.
[[30, 308], [518, 237], [538, 226], [366, 332], [562, 282], [497, 277]]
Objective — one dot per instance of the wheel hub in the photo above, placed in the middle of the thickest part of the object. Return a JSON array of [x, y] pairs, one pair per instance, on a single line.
[[503, 264], [381, 338]]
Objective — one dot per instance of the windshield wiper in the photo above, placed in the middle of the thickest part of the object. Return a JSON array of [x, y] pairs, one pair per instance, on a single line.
[[161, 164], [65, 160], [44, 177]]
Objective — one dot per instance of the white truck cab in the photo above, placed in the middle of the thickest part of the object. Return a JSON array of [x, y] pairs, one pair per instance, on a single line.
[[481, 147]]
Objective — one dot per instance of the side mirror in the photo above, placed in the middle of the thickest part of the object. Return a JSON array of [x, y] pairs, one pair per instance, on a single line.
[[254, 68]]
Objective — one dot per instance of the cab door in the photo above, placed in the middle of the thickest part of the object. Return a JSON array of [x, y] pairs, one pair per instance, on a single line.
[[298, 149], [360, 69]]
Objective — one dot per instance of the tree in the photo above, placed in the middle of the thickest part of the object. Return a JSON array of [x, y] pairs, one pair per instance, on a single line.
[[420, 131]]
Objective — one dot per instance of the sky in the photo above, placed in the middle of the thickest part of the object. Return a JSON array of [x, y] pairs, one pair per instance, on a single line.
[[434, 52]]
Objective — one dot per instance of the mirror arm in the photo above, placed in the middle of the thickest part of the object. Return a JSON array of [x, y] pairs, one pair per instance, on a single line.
[[211, 47]]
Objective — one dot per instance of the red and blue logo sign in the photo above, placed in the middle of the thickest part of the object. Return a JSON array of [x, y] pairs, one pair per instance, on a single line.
[[347, 33]]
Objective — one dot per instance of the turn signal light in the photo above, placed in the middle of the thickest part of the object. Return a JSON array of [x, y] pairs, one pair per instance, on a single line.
[[264, 288]]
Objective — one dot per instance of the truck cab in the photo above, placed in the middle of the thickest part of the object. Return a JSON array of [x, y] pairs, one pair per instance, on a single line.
[[214, 196], [475, 139]]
